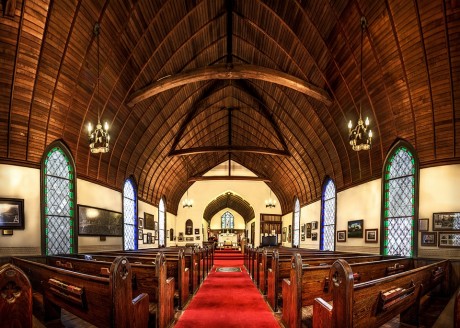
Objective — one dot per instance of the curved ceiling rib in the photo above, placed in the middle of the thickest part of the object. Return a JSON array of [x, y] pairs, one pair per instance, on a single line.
[[232, 201]]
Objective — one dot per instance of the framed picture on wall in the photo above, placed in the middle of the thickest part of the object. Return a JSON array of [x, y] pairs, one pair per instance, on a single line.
[[355, 229], [449, 239], [423, 224], [149, 221], [308, 228], [371, 235], [314, 236], [140, 235], [197, 231], [341, 235], [11, 213], [140, 223], [284, 234], [446, 221], [314, 225], [429, 239]]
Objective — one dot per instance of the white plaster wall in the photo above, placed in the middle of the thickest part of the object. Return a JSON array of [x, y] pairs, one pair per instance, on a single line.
[[146, 208], [238, 220], [204, 192], [309, 213], [361, 202], [438, 192], [91, 194], [23, 183]]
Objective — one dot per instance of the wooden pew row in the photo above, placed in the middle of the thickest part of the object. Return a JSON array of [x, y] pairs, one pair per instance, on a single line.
[[190, 255], [175, 267], [15, 298], [102, 301], [282, 266], [282, 270], [308, 282]]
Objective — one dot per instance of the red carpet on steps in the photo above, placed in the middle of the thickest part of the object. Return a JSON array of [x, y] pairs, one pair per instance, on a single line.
[[227, 299]]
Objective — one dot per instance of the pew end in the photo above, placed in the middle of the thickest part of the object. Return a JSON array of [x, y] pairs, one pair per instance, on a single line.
[[323, 313], [16, 298]]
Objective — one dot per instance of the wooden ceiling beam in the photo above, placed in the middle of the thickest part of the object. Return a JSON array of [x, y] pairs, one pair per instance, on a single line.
[[229, 149], [230, 72], [228, 177]]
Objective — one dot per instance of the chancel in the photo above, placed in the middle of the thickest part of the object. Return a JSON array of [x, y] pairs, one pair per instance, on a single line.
[[187, 163]]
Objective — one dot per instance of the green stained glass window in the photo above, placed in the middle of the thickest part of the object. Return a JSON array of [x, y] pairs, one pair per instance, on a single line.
[[58, 191], [227, 221], [296, 224], [129, 216], [327, 237], [161, 222], [399, 203]]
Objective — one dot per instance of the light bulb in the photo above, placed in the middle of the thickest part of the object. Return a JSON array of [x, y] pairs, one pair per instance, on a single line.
[[90, 128], [350, 125], [367, 121], [370, 133], [106, 126]]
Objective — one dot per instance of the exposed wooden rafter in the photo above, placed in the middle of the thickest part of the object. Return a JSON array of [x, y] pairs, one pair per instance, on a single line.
[[227, 177], [229, 149], [230, 72]]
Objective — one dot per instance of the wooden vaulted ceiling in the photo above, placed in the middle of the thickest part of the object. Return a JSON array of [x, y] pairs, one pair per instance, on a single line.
[[48, 74]]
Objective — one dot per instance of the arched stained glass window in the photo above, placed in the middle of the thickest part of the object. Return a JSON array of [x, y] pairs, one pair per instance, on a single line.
[[296, 224], [328, 210], [227, 220], [58, 194], [129, 216], [400, 176], [161, 222]]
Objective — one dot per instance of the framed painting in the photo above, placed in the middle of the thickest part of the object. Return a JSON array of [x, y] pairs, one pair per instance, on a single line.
[[140, 222], [93, 221], [284, 234], [446, 221], [429, 239], [11, 213], [308, 228], [197, 231], [140, 234], [149, 221], [371, 235], [355, 229], [449, 239], [314, 236], [341, 235], [314, 225]]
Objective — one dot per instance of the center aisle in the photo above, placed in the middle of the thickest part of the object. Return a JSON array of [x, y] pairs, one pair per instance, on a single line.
[[227, 299]]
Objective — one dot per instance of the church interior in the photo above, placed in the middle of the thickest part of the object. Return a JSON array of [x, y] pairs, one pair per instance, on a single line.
[[151, 151]]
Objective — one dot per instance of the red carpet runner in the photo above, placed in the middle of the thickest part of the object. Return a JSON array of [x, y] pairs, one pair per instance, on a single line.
[[227, 299]]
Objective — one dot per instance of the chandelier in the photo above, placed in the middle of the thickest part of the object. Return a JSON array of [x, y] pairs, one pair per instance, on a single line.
[[270, 202], [98, 138], [360, 136], [187, 203]]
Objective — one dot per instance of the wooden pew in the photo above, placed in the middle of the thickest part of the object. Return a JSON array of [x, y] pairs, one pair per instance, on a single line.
[[105, 301], [175, 267], [457, 310], [374, 302], [281, 270], [308, 282], [15, 298]]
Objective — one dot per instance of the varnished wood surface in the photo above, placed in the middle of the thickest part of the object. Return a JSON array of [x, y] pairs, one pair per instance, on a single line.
[[410, 67]]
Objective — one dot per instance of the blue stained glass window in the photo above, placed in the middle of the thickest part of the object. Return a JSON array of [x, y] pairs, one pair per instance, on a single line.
[[161, 222], [227, 220], [59, 201], [129, 216], [296, 224], [399, 202], [327, 241]]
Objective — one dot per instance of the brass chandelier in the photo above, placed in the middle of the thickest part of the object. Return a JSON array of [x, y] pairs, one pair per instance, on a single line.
[[99, 138], [360, 136]]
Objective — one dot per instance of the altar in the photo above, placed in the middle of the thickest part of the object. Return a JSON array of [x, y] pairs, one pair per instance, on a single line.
[[227, 240]]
